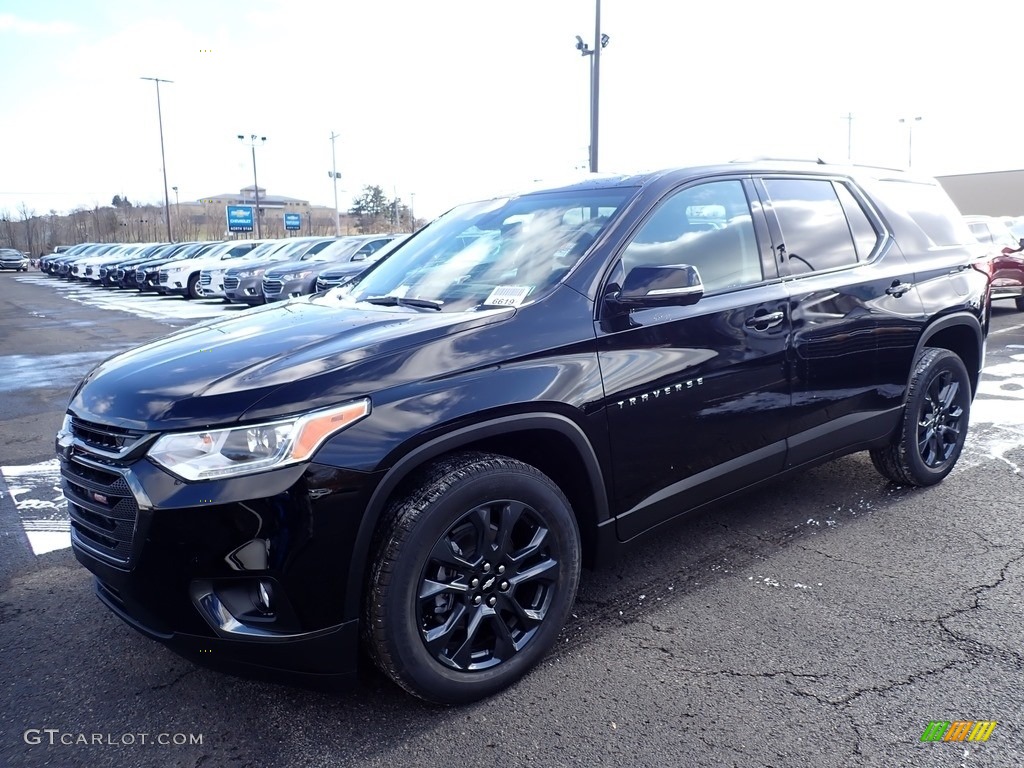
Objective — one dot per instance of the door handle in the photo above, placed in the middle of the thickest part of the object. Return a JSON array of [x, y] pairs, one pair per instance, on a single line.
[[767, 320], [897, 289]]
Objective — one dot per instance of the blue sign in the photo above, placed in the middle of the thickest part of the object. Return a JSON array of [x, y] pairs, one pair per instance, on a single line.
[[293, 221], [239, 218]]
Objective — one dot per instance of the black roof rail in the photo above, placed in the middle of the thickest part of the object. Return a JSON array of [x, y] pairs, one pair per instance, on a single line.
[[763, 158]]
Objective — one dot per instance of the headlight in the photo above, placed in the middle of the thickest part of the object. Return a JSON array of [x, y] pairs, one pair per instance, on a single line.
[[296, 275], [243, 450], [247, 273]]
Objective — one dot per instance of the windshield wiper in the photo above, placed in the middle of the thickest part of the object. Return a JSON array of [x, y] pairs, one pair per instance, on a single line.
[[402, 301]]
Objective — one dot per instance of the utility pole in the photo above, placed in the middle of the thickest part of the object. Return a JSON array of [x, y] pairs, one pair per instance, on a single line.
[[255, 183], [600, 41], [334, 176], [163, 158]]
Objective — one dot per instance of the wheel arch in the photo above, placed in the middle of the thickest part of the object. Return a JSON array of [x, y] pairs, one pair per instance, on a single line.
[[961, 334], [552, 443]]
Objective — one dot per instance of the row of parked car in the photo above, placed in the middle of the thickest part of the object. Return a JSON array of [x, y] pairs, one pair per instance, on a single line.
[[245, 271]]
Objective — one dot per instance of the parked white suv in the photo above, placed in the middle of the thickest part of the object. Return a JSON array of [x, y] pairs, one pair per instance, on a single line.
[[182, 277]]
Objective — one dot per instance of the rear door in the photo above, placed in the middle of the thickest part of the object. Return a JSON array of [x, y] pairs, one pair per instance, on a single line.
[[855, 314]]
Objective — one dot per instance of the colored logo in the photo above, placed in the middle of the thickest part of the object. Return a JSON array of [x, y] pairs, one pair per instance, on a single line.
[[959, 730]]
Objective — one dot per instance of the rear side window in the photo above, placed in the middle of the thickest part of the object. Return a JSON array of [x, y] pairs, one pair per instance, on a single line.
[[930, 208], [815, 232], [865, 236]]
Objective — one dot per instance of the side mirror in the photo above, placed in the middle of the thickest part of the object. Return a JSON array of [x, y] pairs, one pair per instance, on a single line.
[[673, 285]]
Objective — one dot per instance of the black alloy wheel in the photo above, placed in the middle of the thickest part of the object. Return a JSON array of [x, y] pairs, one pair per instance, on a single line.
[[475, 572], [934, 427], [487, 585]]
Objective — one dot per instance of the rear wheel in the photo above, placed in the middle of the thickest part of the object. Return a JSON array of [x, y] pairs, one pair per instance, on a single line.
[[475, 571], [931, 436], [1019, 301]]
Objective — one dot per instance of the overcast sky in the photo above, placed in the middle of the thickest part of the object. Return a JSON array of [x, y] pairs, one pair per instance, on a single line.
[[451, 100]]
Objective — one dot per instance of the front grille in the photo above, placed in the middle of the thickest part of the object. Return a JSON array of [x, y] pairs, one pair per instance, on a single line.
[[272, 287], [103, 437], [102, 272], [231, 283], [119, 275], [88, 271], [163, 276], [205, 278], [102, 509], [101, 505], [140, 275], [324, 283]]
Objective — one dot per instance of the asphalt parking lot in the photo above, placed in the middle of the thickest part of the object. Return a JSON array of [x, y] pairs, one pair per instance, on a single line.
[[823, 621]]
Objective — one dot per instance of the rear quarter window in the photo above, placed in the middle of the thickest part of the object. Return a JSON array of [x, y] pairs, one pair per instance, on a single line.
[[930, 208]]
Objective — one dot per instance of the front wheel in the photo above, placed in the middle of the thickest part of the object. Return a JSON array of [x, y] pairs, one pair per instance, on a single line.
[[1019, 301], [931, 436], [193, 288], [475, 571]]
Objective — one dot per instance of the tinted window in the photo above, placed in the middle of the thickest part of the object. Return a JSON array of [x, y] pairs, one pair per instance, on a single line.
[[815, 232], [708, 227], [931, 209], [865, 237]]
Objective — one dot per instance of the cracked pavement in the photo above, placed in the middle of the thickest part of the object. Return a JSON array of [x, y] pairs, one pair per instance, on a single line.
[[822, 621]]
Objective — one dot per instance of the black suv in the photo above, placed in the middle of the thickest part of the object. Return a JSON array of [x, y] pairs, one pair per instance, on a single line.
[[422, 460]]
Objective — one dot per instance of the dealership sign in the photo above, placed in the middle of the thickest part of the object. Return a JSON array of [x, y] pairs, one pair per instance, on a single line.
[[293, 221], [239, 218]]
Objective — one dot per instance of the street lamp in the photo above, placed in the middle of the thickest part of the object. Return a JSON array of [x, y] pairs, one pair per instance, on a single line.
[[177, 209], [333, 173], [412, 211], [910, 137], [163, 159], [595, 78], [255, 184]]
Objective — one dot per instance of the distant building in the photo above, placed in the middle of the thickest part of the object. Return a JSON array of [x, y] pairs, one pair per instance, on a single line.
[[206, 215], [997, 193], [247, 196]]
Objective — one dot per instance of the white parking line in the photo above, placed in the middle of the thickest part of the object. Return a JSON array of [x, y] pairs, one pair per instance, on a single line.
[[42, 508]]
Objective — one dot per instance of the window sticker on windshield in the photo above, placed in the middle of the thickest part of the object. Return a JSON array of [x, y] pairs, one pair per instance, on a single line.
[[509, 295]]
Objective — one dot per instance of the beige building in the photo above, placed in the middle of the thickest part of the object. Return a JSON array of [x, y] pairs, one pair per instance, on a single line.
[[998, 193]]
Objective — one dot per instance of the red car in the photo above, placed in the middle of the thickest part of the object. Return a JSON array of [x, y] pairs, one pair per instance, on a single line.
[[1007, 265]]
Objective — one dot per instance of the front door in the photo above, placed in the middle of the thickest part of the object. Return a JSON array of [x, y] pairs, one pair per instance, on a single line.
[[696, 396]]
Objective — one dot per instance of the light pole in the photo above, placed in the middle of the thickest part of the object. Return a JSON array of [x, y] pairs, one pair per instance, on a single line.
[[601, 41], [910, 137], [333, 173], [412, 211], [255, 184], [163, 159], [177, 209]]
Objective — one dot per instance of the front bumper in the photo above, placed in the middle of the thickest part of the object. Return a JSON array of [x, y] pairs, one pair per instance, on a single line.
[[247, 575], [291, 289], [247, 290]]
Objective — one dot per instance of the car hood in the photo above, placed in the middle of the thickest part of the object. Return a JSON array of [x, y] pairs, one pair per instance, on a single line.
[[260, 262], [312, 265], [297, 356]]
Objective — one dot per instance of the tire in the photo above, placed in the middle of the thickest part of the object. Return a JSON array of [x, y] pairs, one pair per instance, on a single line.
[[496, 544], [1019, 301], [931, 436], [192, 291]]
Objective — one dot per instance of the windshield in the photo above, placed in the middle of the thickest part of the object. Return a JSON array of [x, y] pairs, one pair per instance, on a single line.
[[501, 252]]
